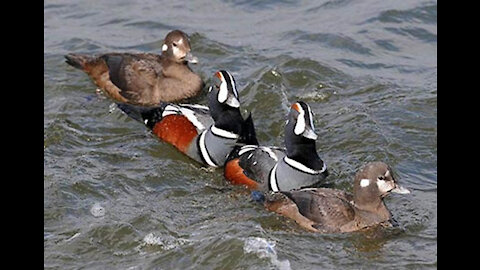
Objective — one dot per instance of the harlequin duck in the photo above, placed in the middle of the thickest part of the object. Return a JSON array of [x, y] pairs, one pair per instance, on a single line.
[[328, 210], [144, 78], [206, 134], [271, 168]]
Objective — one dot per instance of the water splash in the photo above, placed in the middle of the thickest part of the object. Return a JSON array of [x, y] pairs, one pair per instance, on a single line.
[[97, 210], [263, 249], [166, 242]]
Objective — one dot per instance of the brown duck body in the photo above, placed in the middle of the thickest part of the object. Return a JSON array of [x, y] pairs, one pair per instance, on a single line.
[[328, 210], [144, 78], [324, 210]]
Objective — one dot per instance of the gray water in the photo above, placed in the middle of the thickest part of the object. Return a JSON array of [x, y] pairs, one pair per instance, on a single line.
[[115, 197]]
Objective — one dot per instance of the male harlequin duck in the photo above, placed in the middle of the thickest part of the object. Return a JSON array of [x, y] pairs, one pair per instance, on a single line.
[[206, 134], [144, 78], [327, 210], [271, 168]]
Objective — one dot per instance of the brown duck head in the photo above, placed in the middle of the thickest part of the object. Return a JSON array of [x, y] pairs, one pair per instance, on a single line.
[[176, 47]]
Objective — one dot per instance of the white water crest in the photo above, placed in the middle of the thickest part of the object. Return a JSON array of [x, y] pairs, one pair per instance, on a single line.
[[263, 249], [165, 242]]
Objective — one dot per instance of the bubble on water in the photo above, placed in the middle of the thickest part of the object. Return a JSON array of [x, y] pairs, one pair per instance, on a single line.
[[97, 210], [263, 249]]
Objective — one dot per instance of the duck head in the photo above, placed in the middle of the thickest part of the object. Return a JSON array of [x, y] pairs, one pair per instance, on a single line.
[[374, 182], [300, 136], [223, 90], [300, 121], [176, 47], [223, 101]]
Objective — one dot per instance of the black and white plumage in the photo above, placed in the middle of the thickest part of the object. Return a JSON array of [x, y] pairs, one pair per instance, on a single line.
[[206, 134], [272, 168]]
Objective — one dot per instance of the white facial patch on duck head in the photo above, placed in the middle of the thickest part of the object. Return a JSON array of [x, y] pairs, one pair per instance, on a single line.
[[224, 96], [177, 52], [164, 47], [364, 182], [223, 92], [301, 127], [384, 186]]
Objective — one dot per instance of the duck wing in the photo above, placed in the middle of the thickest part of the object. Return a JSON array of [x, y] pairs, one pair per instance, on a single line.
[[250, 165], [135, 75], [328, 208]]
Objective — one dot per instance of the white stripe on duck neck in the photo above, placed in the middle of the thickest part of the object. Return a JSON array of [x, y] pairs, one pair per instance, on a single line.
[[299, 166]]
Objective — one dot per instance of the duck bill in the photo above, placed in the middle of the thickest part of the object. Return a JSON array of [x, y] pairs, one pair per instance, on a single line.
[[190, 58], [400, 190]]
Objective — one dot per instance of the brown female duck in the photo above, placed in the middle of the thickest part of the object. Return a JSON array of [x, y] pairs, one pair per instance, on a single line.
[[144, 78], [328, 210]]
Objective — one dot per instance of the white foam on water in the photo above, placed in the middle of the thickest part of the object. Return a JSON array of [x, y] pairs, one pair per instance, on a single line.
[[97, 210], [165, 242], [263, 249], [73, 237], [151, 239]]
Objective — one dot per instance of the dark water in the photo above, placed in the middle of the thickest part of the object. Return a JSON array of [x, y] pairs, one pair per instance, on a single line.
[[367, 68]]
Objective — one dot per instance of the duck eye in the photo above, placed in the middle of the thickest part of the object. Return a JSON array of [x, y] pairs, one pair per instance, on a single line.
[[381, 177], [174, 44]]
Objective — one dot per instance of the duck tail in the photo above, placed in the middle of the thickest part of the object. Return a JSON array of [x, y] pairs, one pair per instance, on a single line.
[[132, 111], [247, 136], [147, 115], [247, 132]]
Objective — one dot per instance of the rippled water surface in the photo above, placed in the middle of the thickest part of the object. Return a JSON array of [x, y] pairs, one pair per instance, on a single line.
[[115, 197]]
